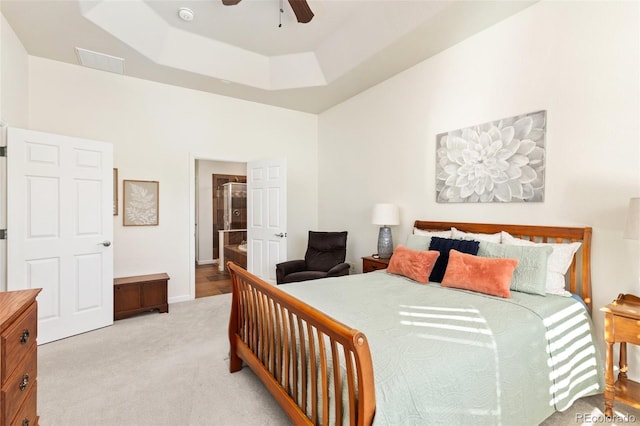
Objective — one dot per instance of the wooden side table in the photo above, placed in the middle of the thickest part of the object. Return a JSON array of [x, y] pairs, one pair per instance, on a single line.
[[370, 263], [621, 325]]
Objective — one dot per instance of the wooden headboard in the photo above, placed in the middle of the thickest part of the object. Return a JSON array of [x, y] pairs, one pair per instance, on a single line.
[[579, 273]]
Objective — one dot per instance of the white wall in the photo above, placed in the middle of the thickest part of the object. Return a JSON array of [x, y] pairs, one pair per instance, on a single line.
[[14, 93], [205, 203], [577, 60], [156, 131], [14, 89]]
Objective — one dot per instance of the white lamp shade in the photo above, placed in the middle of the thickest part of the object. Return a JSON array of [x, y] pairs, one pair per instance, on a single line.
[[385, 214], [632, 228]]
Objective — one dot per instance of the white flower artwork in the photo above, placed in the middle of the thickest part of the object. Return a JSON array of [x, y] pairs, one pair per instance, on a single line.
[[140, 203], [498, 161]]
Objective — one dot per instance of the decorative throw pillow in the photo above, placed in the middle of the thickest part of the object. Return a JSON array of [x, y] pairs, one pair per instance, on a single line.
[[443, 245], [557, 265], [531, 274], [482, 274], [413, 264], [441, 234], [460, 235], [418, 242]]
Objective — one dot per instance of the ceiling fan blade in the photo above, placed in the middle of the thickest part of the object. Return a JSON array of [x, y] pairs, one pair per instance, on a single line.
[[301, 9], [230, 2]]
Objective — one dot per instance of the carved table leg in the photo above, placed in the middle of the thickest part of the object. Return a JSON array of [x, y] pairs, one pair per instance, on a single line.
[[622, 375], [609, 390]]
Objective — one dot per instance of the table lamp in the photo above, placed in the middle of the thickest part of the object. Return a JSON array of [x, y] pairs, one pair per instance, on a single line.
[[385, 214]]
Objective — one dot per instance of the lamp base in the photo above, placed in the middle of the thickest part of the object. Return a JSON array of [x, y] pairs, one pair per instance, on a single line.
[[385, 243]]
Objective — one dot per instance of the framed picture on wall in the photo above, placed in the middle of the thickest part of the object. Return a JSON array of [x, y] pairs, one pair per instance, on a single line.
[[115, 192], [501, 161], [140, 202]]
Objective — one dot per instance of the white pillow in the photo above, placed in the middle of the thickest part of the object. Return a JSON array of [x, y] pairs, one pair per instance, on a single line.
[[460, 235], [557, 265], [441, 234], [418, 242]]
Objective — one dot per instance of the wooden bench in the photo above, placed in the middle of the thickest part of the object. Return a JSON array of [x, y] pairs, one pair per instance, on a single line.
[[140, 293]]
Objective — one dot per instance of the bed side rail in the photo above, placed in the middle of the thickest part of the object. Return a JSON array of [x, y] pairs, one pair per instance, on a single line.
[[318, 369]]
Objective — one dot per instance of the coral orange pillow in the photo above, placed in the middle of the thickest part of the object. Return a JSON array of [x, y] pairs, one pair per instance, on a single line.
[[413, 264], [482, 274]]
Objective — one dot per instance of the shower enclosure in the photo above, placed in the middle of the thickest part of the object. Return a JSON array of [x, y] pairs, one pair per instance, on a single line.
[[235, 205]]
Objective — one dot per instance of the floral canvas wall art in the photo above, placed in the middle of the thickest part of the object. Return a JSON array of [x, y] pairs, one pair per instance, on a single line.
[[140, 202], [498, 161]]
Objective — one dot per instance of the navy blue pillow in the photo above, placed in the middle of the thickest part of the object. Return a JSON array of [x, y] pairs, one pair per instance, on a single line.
[[443, 245]]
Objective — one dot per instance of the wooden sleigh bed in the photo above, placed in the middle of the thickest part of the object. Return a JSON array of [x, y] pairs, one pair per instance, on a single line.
[[320, 370]]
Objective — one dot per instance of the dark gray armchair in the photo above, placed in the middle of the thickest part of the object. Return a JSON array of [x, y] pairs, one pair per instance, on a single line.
[[326, 252]]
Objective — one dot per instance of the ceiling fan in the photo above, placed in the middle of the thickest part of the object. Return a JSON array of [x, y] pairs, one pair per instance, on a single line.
[[300, 8]]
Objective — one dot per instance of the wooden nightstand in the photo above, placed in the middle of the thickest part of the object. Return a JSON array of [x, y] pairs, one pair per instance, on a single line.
[[370, 263], [621, 325]]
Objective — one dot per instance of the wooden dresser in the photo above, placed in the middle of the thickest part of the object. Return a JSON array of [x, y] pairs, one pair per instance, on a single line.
[[18, 357]]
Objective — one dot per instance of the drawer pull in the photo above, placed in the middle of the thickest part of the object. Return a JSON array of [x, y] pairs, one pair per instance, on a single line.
[[25, 422], [24, 337], [25, 382]]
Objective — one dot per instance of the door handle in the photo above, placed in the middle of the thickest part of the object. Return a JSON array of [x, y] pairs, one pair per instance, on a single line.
[[105, 243], [281, 235]]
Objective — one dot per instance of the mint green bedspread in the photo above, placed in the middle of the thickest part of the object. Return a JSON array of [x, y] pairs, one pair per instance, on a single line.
[[446, 356]]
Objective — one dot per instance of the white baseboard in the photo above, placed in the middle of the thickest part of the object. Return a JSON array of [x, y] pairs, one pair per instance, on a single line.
[[206, 261], [178, 299]]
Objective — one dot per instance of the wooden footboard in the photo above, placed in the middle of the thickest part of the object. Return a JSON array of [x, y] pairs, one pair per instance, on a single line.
[[318, 369]]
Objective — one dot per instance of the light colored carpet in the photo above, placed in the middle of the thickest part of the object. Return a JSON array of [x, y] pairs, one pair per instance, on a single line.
[[153, 369], [172, 369]]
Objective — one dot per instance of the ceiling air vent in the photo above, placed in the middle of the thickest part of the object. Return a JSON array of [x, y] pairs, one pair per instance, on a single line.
[[100, 61]]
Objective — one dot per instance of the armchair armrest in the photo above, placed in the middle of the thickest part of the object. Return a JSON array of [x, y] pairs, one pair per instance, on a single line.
[[290, 266], [338, 270]]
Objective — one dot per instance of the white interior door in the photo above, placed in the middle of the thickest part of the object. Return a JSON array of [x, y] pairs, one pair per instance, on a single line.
[[60, 228], [267, 221]]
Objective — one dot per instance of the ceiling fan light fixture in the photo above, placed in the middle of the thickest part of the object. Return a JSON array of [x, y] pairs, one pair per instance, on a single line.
[[186, 14], [300, 8]]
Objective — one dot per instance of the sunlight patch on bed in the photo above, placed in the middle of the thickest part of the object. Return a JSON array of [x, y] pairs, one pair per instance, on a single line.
[[565, 326], [441, 316], [468, 342], [448, 327], [586, 391], [436, 308], [567, 381], [569, 351], [561, 315], [571, 364], [571, 356], [581, 333]]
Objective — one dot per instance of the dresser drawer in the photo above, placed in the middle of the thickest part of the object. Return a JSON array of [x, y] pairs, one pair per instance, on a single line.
[[18, 386], [626, 330], [28, 413], [17, 340]]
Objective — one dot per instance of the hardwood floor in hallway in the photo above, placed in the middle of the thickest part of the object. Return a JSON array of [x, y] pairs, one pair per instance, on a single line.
[[211, 282]]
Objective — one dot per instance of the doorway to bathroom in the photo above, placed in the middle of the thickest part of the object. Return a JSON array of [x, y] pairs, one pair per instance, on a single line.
[[213, 241], [266, 206]]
